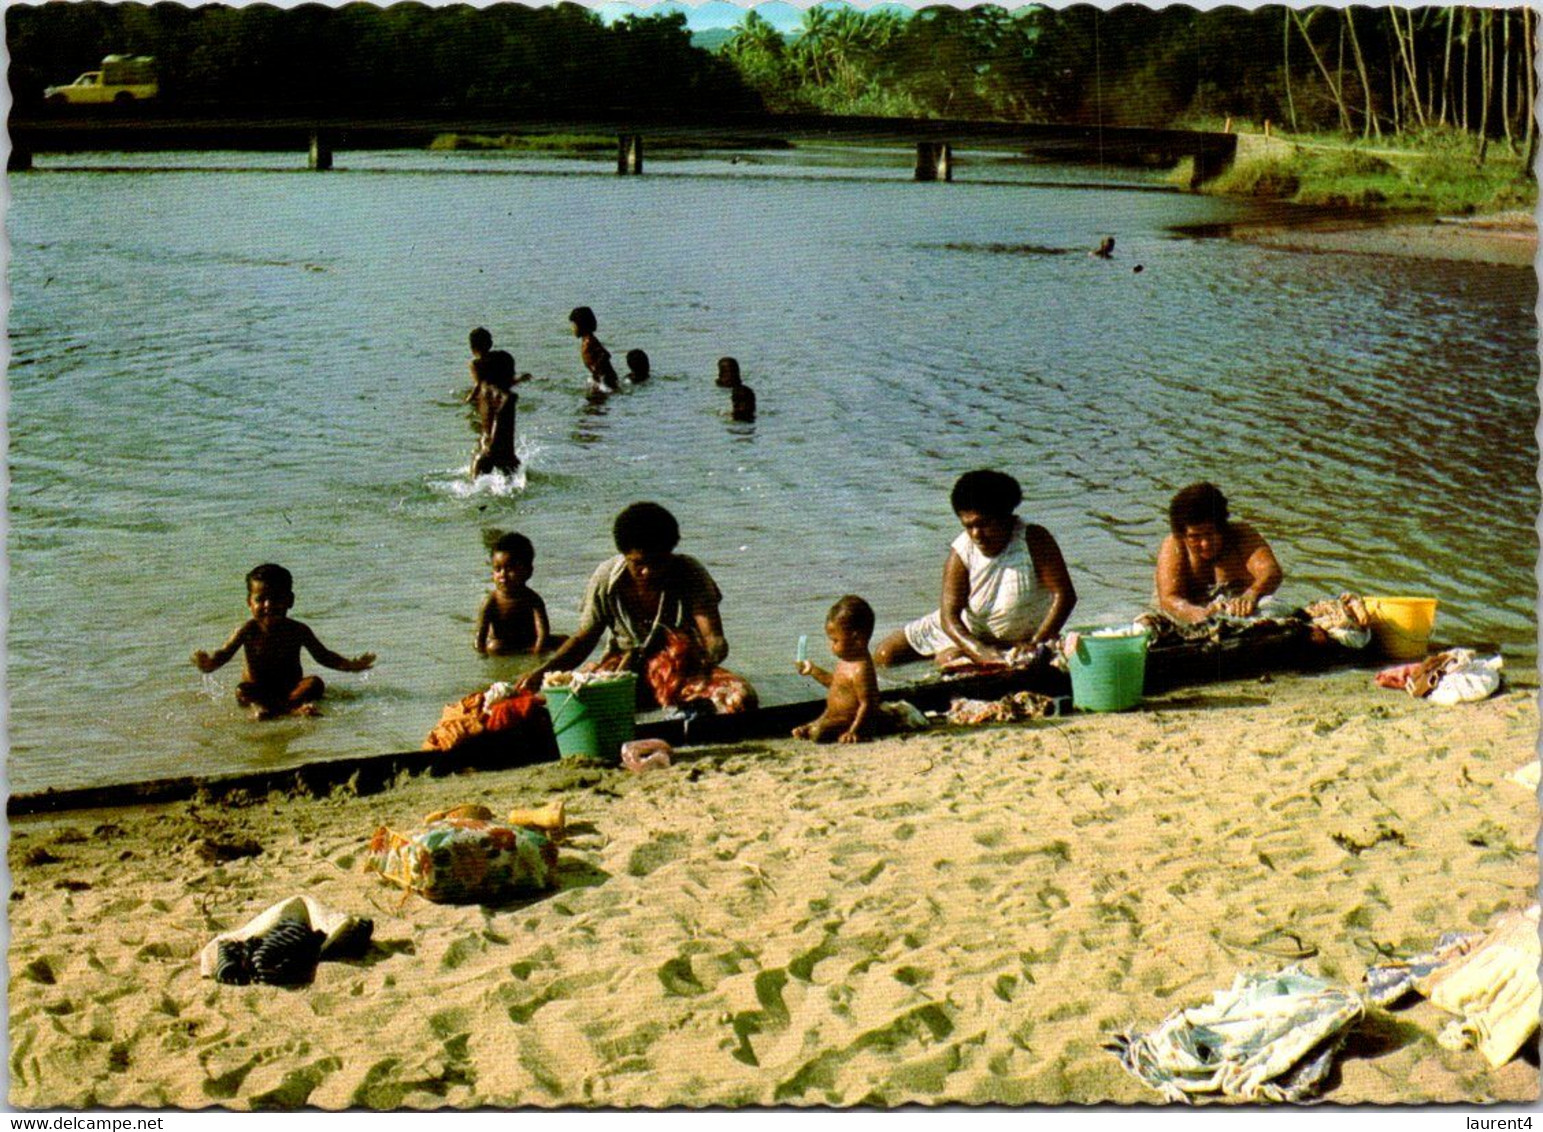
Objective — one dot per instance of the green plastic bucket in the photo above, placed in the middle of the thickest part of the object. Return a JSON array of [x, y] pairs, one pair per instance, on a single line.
[[1107, 671], [594, 719]]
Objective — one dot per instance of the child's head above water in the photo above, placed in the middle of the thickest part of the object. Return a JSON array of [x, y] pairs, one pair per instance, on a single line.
[[513, 560], [583, 320], [270, 591], [637, 365], [849, 625], [481, 340], [497, 369], [728, 372], [275, 578]]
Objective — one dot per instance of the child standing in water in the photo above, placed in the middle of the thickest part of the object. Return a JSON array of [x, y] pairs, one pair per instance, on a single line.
[[496, 406], [596, 358], [513, 618], [852, 707], [742, 399], [272, 684]]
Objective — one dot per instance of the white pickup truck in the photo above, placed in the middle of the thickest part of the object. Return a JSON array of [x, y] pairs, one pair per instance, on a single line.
[[123, 78]]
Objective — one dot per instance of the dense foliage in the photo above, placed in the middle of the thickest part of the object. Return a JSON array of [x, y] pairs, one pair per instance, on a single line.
[[1356, 70], [1352, 70], [557, 60]]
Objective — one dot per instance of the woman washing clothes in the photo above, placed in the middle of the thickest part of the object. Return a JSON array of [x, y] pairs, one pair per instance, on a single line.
[[1005, 584], [1209, 564], [661, 611]]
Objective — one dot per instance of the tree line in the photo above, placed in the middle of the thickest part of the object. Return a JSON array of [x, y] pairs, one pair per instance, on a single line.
[[529, 61], [1361, 71]]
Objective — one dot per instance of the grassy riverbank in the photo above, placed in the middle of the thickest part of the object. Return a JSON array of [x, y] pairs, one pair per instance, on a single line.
[[1434, 173]]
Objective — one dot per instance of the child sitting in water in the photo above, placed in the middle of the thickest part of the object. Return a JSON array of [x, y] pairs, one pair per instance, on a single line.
[[742, 399], [513, 618], [270, 642], [596, 358], [852, 708], [637, 367]]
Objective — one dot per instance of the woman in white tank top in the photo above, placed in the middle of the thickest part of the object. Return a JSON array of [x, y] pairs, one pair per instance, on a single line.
[[1005, 583]]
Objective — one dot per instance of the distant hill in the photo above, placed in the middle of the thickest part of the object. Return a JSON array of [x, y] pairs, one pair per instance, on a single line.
[[712, 39], [720, 15]]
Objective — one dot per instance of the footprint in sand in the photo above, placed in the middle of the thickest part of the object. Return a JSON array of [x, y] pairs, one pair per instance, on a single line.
[[655, 854]]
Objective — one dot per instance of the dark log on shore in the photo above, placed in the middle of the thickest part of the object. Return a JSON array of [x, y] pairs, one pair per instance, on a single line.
[[1278, 650]]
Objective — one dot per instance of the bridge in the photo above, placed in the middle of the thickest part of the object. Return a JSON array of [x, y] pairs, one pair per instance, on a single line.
[[318, 134]]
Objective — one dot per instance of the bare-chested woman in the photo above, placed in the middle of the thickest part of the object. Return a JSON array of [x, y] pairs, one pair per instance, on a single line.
[[1210, 564]]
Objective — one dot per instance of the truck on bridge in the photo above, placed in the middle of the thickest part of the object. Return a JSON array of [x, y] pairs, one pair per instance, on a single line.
[[123, 78]]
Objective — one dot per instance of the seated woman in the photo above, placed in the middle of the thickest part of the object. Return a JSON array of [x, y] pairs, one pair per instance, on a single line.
[[1209, 564], [661, 611], [1005, 584]]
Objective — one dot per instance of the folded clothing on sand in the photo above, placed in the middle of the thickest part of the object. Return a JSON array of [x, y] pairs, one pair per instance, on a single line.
[[1493, 989], [1489, 979], [1267, 1038], [1456, 676], [282, 945]]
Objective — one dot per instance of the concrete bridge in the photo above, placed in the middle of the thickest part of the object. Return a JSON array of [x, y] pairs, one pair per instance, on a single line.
[[319, 134]]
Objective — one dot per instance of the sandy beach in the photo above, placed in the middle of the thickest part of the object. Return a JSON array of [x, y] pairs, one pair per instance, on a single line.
[[962, 916], [1506, 239]]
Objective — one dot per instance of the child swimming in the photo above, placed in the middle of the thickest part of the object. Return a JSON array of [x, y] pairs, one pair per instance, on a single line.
[[596, 358], [272, 684], [852, 707], [638, 368], [742, 397], [513, 617]]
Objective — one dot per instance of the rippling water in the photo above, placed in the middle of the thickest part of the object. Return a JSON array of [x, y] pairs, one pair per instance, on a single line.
[[231, 362]]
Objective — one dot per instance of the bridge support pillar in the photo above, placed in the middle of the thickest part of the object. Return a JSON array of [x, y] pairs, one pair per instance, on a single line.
[[320, 158], [20, 158], [629, 154], [934, 161]]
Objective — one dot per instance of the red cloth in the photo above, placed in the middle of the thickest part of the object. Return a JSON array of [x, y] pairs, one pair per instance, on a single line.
[[676, 671], [511, 712], [1397, 676]]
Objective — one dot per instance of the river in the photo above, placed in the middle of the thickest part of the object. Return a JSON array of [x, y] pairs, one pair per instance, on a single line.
[[219, 360]]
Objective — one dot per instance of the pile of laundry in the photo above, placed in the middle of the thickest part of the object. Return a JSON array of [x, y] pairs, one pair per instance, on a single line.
[[463, 856], [1274, 1037], [1456, 676], [1343, 619], [1488, 979], [501, 708], [1269, 1037], [1009, 709]]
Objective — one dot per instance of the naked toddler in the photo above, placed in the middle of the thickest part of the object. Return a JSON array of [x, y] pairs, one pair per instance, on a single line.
[[272, 684], [852, 706]]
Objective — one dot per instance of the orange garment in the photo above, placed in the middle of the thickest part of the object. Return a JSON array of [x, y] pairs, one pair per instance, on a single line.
[[457, 723]]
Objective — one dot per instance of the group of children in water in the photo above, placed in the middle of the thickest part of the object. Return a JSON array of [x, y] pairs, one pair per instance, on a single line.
[[512, 621], [494, 400]]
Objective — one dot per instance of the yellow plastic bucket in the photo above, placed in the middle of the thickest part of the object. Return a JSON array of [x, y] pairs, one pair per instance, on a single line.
[[1401, 626]]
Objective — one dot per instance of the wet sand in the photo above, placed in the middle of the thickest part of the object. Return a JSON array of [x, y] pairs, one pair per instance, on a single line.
[[959, 916], [1507, 239]]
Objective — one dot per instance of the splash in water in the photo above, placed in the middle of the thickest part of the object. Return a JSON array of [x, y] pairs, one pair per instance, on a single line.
[[498, 484]]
